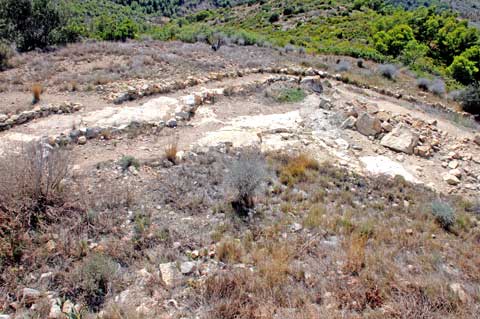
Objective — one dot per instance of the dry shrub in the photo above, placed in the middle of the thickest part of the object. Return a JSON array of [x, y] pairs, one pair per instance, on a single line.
[[314, 216], [355, 247], [113, 195], [230, 251], [298, 169], [32, 180], [228, 295], [415, 302], [244, 178], [273, 263], [358, 294], [171, 151], [37, 91]]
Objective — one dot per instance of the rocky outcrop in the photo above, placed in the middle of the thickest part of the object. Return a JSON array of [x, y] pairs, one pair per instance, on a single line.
[[401, 139], [368, 125]]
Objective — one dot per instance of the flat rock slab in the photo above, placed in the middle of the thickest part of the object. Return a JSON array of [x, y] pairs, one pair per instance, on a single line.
[[153, 111], [247, 130], [382, 165]]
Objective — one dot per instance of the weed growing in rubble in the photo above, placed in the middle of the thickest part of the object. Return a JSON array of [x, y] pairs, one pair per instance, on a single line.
[[127, 161], [444, 214], [244, 178]]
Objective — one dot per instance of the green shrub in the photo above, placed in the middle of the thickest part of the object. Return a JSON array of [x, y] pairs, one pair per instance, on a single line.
[[94, 278], [110, 29], [127, 161], [274, 17], [290, 95], [388, 71], [443, 213], [470, 99]]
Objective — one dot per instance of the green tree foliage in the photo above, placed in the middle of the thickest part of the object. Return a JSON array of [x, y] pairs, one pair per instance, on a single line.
[[34, 24], [111, 29], [466, 67], [395, 40]]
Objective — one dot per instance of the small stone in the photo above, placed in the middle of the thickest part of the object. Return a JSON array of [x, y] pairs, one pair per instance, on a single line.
[[92, 132], [348, 123], [387, 127], [82, 140], [451, 179], [52, 140], [456, 172], [195, 254], [296, 227], [409, 231], [171, 123], [67, 307], [188, 267], [453, 164]]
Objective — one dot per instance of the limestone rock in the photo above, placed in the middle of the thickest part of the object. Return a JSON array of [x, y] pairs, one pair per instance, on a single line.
[[170, 274], [368, 125], [67, 307], [349, 122], [456, 172], [82, 140], [451, 179], [423, 151], [325, 104], [387, 127], [453, 164], [401, 139], [188, 267]]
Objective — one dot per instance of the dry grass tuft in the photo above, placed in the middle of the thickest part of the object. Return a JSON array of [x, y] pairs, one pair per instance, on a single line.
[[37, 91], [171, 151], [298, 169], [355, 247], [230, 251]]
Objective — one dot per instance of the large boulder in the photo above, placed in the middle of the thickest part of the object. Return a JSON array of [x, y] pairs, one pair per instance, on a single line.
[[368, 125], [401, 139]]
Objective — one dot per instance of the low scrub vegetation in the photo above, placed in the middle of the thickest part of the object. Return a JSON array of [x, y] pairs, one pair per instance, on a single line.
[[244, 178], [388, 71], [470, 99]]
